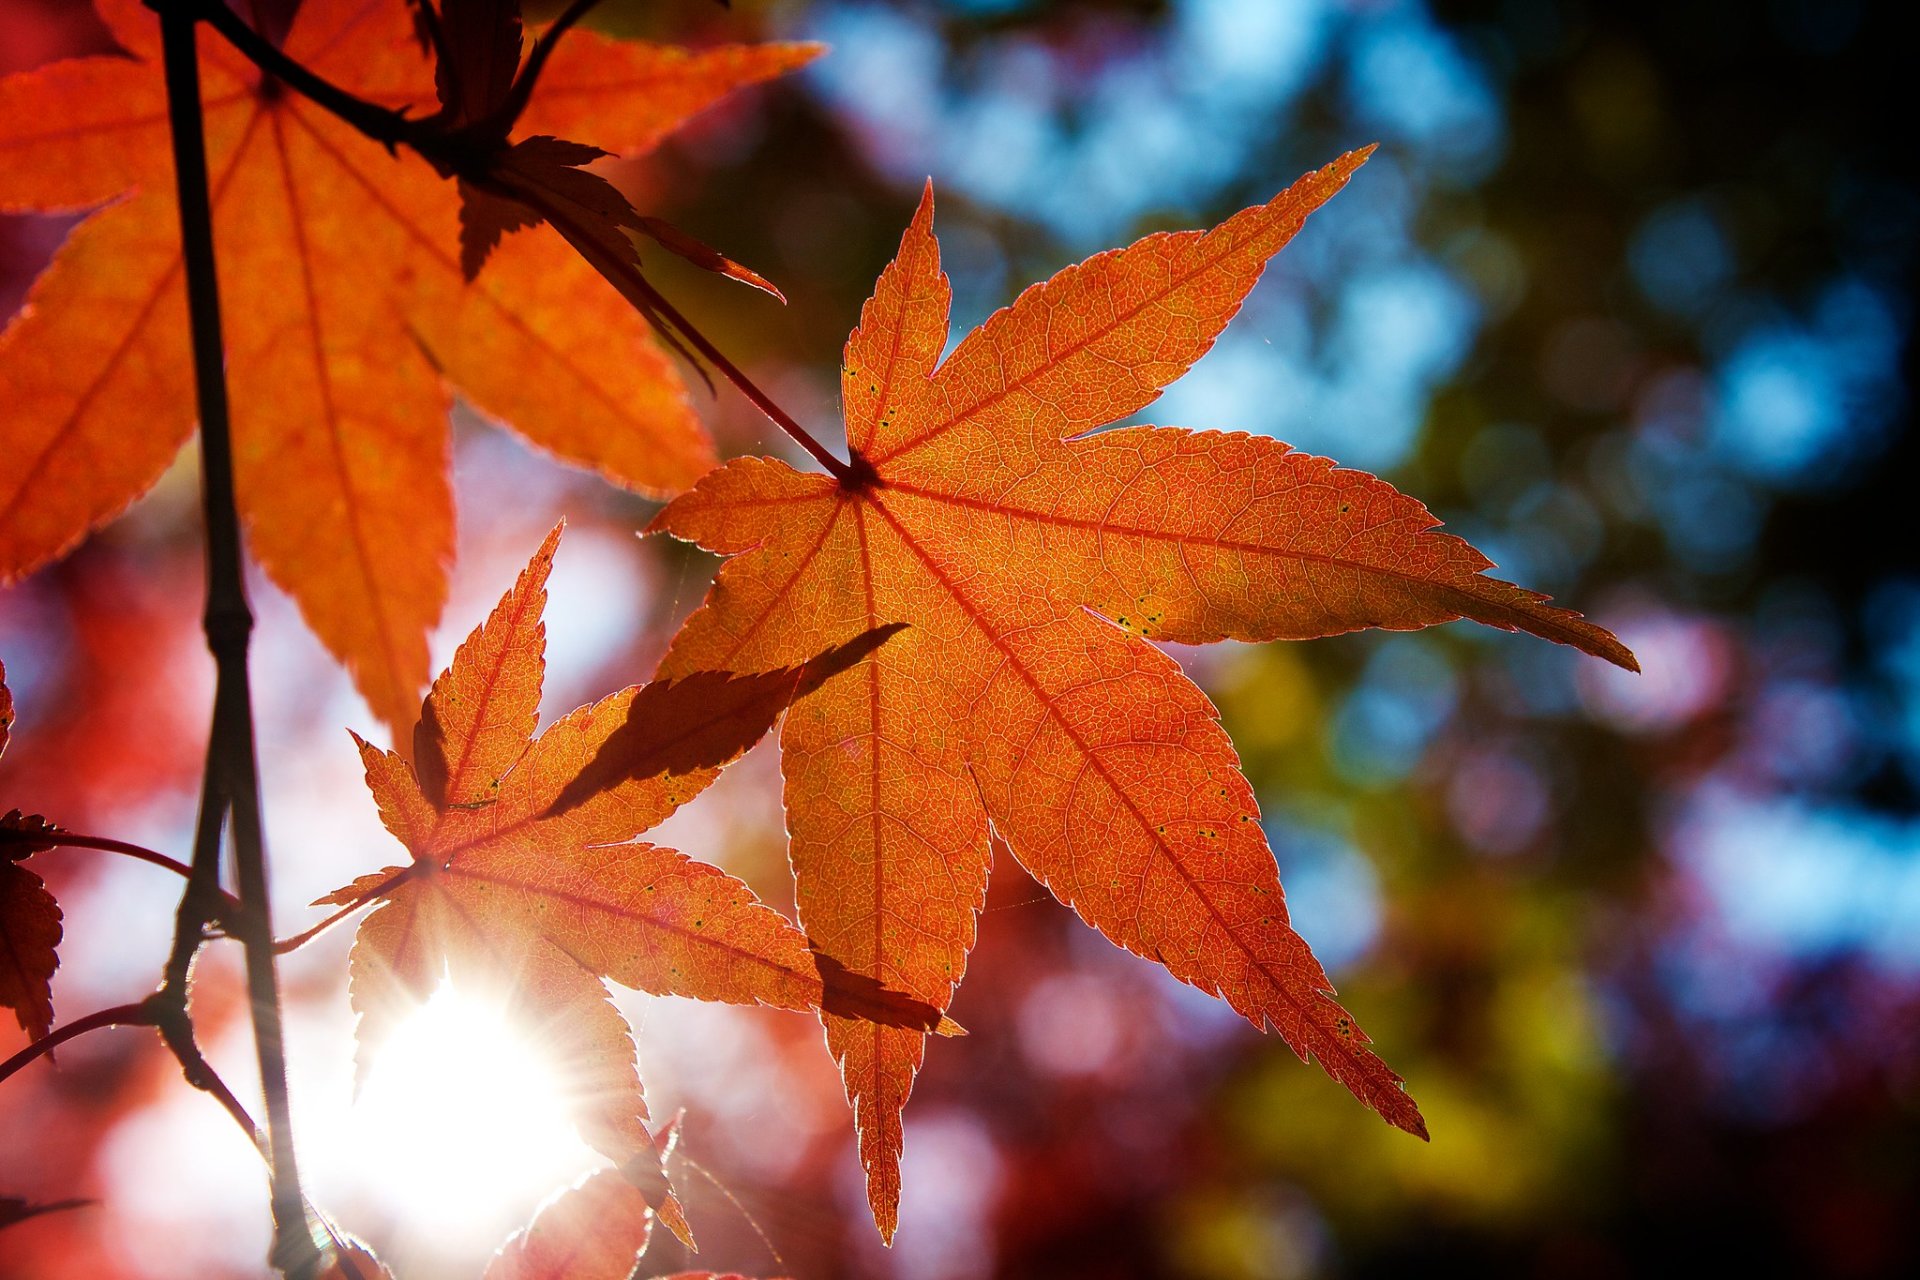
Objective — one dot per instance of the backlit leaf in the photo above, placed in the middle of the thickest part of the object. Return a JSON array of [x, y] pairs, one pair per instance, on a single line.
[[349, 320], [1033, 556], [525, 883], [594, 1230]]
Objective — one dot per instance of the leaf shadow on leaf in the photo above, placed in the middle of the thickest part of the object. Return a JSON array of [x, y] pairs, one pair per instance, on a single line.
[[704, 720], [848, 994]]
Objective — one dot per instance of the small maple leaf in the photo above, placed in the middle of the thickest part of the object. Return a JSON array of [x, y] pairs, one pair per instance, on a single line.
[[525, 883], [1033, 556], [594, 1230], [547, 171], [350, 320], [507, 186], [480, 43], [29, 917]]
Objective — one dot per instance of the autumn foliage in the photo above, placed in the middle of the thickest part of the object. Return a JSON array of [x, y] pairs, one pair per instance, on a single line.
[[959, 623], [352, 322]]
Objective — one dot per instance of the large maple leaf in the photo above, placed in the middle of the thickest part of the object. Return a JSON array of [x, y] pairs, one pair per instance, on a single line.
[[348, 319], [525, 881], [1033, 561]]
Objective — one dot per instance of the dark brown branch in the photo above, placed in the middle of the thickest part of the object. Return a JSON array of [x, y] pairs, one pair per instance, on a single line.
[[232, 784]]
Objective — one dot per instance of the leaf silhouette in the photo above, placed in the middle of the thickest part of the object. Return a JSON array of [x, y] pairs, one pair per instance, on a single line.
[[482, 40], [350, 318], [1032, 557], [29, 940], [29, 917], [524, 883]]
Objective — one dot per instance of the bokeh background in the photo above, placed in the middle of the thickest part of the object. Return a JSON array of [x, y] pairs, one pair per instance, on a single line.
[[1625, 297]]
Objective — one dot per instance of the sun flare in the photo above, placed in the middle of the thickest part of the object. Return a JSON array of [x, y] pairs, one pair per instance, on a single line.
[[461, 1124]]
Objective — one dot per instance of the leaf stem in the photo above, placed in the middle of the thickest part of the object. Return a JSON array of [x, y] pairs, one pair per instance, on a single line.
[[302, 938], [231, 789], [74, 840], [121, 1015], [387, 127], [637, 290]]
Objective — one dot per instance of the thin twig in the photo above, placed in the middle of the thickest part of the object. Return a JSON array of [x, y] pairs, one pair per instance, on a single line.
[[232, 783], [74, 840], [638, 291], [453, 155], [122, 1015], [302, 938]]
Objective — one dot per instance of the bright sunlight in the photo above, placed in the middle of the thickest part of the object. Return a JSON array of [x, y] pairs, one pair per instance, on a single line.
[[461, 1124]]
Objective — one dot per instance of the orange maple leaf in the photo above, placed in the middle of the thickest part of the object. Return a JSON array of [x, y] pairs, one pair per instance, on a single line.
[[348, 318], [30, 925], [524, 880], [1033, 557]]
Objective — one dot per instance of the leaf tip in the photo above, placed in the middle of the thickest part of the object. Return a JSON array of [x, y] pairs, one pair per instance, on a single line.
[[1407, 1118], [801, 52]]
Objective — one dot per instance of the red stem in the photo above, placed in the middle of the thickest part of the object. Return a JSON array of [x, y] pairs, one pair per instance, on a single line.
[[74, 840], [124, 1015], [301, 939]]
